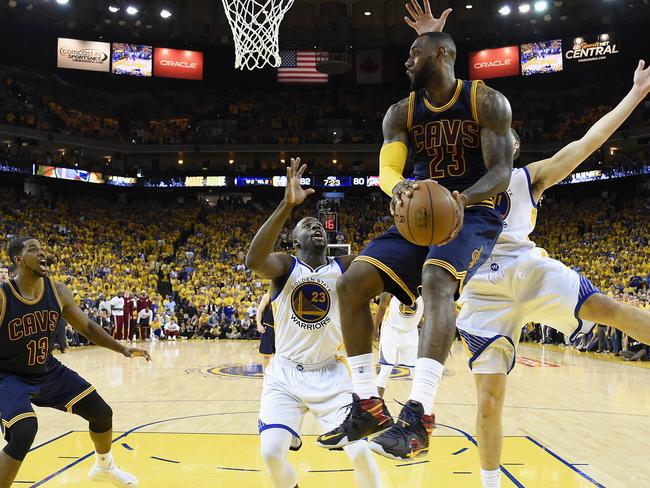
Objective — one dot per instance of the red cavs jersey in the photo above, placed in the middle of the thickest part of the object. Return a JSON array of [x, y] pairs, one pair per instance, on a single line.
[[26, 328], [444, 142]]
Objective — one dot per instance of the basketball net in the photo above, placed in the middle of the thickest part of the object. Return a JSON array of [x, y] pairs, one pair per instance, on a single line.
[[255, 26]]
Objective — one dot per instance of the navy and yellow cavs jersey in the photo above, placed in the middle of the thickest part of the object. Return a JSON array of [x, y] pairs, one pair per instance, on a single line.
[[444, 142], [26, 329]]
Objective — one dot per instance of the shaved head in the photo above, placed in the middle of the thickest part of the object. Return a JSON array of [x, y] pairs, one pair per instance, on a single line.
[[434, 40]]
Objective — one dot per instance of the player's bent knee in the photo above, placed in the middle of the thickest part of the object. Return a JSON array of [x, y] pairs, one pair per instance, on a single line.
[[438, 282], [96, 411], [20, 438], [359, 284]]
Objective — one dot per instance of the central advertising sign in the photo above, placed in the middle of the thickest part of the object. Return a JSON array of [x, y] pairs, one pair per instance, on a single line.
[[178, 63]]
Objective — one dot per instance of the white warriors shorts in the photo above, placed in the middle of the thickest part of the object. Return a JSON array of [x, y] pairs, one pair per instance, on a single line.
[[510, 292], [398, 347], [291, 390]]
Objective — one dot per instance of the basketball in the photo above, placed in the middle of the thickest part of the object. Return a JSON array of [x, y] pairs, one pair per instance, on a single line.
[[429, 216]]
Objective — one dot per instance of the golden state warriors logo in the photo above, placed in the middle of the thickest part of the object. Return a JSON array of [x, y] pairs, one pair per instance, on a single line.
[[311, 301], [503, 204], [407, 311]]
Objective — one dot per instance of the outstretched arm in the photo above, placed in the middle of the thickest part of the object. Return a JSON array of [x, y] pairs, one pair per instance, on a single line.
[[549, 172], [77, 319], [260, 257]]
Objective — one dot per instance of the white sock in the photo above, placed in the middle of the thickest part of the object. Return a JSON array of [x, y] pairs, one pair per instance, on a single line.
[[363, 375], [425, 382], [104, 460], [491, 479], [384, 374]]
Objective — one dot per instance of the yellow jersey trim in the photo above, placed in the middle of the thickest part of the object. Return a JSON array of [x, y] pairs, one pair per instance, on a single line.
[[24, 300], [8, 423], [446, 106], [3, 305], [475, 84], [391, 274], [78, 398], [459, 275], [409, 119], [489, 202]]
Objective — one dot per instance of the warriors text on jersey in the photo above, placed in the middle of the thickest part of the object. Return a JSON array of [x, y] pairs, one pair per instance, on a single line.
[[306, 312], [445, 142], [26, 329], [403, 317], [519, 212]]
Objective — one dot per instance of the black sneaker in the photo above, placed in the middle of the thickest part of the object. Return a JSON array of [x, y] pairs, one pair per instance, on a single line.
[[365, 417], [409, 437]]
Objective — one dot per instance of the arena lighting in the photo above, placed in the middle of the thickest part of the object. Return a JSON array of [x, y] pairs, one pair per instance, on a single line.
[[468, 5], [505, 10], [334, 161], [62, 2], [524, 8], [541, 6], [165, 14], [283, 161], [112, 9], [231, 161], [131, 10], [180, 161], [367, 13]]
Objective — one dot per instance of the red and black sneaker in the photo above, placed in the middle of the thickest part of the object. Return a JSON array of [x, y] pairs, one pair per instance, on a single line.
[[409, 437], [365, 417]]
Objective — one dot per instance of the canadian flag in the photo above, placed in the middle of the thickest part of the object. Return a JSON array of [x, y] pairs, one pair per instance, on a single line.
[[369, 66]]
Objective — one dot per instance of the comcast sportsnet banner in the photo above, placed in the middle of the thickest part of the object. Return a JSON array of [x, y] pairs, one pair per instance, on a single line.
[[86, 55], [494, 63], [597, 47], [177, 63]]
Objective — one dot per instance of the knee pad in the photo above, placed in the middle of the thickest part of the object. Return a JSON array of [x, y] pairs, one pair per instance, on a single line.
[[96, 411], [20, 438]]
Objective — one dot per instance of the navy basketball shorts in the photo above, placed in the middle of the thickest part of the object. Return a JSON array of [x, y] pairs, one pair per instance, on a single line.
[[400, 262], [267, 340], [61, 388]]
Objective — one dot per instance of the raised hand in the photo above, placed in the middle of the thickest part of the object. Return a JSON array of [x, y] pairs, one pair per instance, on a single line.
[[642, 78], [295, 194], [423, 21]]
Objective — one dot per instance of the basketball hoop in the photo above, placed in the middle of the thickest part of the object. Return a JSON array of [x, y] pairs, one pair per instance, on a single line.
[[255, 26]]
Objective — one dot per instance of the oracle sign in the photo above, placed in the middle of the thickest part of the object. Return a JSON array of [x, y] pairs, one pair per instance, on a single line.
[[177, 63], [494, 63]]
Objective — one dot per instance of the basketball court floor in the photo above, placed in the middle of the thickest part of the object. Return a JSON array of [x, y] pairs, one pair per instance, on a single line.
[[189, 420]]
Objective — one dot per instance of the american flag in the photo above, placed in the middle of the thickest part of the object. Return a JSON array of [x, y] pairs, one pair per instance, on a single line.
[[300, 67]]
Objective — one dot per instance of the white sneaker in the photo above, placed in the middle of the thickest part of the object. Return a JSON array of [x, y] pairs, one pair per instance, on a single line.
[[113, 475]]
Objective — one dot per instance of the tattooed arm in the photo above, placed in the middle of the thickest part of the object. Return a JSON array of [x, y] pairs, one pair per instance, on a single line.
[[494, 117]]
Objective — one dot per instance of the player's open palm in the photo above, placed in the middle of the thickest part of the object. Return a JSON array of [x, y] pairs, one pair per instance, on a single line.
[[423, 21], [642, 78], [132, 352], [294, 193]]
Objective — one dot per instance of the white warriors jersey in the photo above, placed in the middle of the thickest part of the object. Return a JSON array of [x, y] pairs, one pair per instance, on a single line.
[[403, 317], [519, 212], [306, 313]]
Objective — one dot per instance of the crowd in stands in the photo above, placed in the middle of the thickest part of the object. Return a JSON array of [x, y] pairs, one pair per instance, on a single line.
[[185, 262], [349, 114]]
